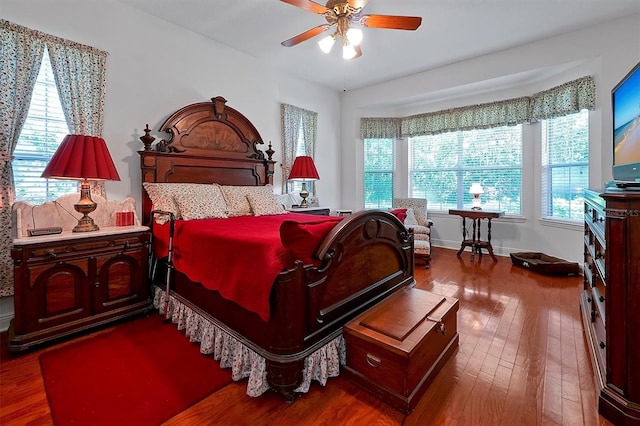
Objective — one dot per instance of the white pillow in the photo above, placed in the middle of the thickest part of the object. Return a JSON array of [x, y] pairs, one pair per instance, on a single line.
[[201, 202], [236, 198], [410, 220], [265, 204]]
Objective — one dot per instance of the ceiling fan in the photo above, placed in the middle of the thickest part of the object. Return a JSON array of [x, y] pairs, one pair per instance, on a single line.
[[342, 14]]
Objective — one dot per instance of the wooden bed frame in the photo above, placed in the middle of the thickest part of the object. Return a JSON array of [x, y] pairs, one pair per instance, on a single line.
[[365, 258]]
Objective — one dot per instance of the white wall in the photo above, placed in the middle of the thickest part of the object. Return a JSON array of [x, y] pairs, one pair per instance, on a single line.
[[606, 51]]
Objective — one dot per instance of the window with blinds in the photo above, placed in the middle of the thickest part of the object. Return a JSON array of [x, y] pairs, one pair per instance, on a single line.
[[43, 131], [379, 160], [565, 166], [442, 168]]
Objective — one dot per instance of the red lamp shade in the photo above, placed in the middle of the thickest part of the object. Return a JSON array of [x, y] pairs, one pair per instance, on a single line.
[[303, 169], [85, 158], [81, 157]]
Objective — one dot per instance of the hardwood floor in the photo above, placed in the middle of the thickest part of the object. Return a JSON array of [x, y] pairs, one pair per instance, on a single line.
[[522, 360]]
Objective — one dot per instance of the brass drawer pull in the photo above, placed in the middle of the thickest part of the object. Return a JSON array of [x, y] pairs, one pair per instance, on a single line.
[[373, 361]]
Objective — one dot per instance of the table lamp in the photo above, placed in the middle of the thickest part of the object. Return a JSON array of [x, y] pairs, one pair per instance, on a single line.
[[303, 169], [84, 158], [476, 190]]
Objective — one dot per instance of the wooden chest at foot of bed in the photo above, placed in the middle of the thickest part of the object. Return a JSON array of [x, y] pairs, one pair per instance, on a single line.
[[396, 348]]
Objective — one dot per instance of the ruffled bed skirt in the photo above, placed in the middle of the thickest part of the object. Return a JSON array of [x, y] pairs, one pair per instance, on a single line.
[[245, 363]]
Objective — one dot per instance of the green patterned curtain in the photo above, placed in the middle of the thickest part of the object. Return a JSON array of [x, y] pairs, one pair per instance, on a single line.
[[21, 54], [293, 118], [561, 100]]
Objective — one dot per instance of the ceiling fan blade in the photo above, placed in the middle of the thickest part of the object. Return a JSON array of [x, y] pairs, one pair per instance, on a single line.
[[390, 22], [306, 35], [358, 4], [309, 5]]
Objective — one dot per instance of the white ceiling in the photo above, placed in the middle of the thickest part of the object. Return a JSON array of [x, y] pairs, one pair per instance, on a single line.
[[451, 31]]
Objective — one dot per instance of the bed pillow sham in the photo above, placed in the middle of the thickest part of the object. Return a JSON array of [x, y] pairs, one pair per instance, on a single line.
[[265, 204], [201, 201], [236, 198]]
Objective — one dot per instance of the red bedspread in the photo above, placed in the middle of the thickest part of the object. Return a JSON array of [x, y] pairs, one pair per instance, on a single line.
[[240, 257]]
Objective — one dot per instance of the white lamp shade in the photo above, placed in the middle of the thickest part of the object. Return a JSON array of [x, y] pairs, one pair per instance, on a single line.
[[326, 43], [476, 188], [354, 35], [348, 51]]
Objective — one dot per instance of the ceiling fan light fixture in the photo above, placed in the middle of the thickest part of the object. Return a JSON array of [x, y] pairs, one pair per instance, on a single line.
[[354, 35], [348, 51], [326, 43]]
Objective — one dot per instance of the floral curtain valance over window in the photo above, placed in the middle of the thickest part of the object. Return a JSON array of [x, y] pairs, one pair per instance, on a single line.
[[565, 99]]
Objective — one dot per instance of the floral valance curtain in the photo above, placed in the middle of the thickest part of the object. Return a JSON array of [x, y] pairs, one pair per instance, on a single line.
[[294, 120], [561, 100], [380, 128], [80, 76], [565, 99]]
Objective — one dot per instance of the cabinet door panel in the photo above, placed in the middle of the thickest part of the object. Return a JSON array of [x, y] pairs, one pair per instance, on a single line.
[[57, 295], [121, 279]]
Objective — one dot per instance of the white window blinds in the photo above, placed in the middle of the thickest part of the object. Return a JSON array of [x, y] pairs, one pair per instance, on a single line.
[[44, 129], [565, 166], [442, 168], [379, 160]]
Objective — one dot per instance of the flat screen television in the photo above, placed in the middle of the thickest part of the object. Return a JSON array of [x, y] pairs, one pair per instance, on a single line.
[[625, 101]]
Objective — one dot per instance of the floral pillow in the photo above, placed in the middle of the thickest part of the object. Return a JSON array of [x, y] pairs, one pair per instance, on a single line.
[[201, 202], [265, 204], [161, 195], [236, 198]]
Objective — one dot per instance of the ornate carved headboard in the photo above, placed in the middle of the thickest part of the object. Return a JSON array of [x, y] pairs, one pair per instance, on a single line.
[[208, 142]]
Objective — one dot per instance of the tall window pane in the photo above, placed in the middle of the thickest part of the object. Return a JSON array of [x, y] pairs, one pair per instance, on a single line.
[[443, 167], [565, 166], [42, 133], [379, 160]]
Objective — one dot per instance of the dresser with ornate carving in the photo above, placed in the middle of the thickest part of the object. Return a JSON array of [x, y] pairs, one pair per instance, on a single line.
[[610, 302]]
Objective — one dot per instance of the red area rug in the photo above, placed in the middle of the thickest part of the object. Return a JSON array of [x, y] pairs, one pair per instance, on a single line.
[[142, 372]]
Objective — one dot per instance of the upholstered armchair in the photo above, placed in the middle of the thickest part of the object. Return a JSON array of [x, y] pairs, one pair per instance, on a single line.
[[416, 219]]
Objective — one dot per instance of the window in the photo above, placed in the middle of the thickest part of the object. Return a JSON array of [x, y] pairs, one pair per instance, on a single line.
[[42, 133], [442, 168], [379, 160], [565, 166]]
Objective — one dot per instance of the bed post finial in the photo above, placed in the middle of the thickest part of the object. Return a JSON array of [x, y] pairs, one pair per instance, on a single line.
[[218, 106], [147, 139], [269, 152]]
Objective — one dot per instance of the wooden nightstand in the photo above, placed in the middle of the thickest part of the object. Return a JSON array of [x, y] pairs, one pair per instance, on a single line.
[[72, 282], [319, 211]]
